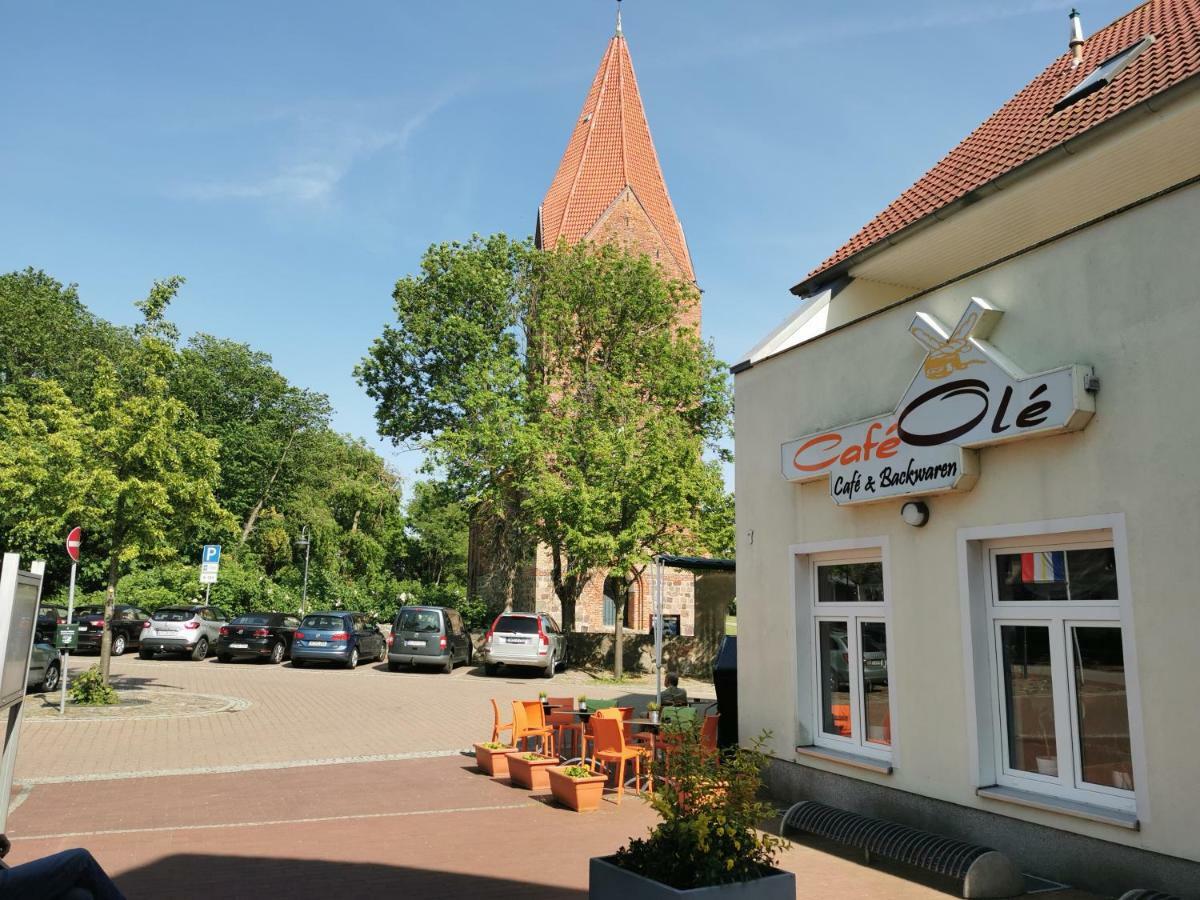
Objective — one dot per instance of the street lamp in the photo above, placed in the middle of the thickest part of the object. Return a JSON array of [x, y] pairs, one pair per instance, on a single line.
[[305, 542]]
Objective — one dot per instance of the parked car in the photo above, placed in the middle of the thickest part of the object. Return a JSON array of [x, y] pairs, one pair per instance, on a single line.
[[525, 639], [337, 636], [45, 668], [428, 636], [127, 625], [191, 629], [49, 617], [257, 636]]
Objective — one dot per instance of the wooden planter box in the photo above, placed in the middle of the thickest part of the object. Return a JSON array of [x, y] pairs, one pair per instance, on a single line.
[[579, 794], [609, 882], [530, 774], [493, 762]]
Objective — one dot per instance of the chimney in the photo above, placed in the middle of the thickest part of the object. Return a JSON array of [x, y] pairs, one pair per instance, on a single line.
[[1076, 44]]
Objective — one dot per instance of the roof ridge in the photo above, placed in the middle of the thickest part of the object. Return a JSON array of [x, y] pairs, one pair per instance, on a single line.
[[592, 118]]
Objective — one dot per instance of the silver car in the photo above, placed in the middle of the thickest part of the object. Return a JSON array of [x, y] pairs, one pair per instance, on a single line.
[[531, 640], [45, 668], [191, 629]]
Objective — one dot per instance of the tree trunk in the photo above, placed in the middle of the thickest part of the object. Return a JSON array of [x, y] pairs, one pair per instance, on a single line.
[[619, 602], [110, 599], [257, 510]]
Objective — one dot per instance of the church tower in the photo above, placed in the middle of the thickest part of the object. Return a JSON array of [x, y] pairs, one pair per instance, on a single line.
[[609, 188]]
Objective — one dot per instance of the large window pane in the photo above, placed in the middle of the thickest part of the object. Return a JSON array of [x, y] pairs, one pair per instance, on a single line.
[[1055, 576], [1102, 707], [875, 683], [850, 583], [835, 678], [1029, 698]]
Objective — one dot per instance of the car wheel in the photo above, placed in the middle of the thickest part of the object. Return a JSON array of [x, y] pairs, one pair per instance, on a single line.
[[352, 662], [297, 664], [277, 653], [393, 666], [145, 654], [548, 672], [470, 653], [118, 645], [50, 679], [448, 668], [490, 669], [201, 650], [382, 654]]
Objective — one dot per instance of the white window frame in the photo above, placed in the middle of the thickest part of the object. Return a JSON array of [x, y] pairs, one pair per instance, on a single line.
[[854, 615], [982, 613]]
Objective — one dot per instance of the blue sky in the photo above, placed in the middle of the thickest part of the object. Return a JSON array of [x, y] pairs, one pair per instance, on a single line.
[[293, 159]]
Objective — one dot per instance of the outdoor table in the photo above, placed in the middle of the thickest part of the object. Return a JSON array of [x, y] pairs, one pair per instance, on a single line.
[[646, 723]]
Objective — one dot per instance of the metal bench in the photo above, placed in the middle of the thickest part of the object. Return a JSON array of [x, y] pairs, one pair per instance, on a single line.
[[981, 873]]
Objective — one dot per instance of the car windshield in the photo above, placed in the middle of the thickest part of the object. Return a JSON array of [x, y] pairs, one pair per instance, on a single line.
[[324, 623], [173, 615], [517, 625], [424, 620], [251, 620]]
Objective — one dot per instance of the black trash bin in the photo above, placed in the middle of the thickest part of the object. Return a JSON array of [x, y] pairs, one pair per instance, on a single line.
[[725, 681]]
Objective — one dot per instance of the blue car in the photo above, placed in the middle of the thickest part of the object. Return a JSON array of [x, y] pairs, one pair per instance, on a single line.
[[340, 637]]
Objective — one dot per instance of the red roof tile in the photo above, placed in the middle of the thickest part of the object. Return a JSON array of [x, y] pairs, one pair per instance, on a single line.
[[1027, 126], [611, 149]]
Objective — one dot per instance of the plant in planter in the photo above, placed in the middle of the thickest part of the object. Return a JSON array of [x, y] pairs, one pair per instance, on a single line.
[[492, 758], [652, 711], [530, 770], [576, 787], [583, 703], [707, 841]]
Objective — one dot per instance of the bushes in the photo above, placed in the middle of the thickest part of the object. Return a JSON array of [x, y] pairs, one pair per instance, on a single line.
[[709, 810], [90, 689]]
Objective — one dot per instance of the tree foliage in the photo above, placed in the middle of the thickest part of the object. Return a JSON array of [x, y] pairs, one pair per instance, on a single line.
[[156, 447], [559, 390]]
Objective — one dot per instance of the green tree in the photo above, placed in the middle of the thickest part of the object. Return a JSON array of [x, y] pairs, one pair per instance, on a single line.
[[435, 532], [559, 388], [155, 473]]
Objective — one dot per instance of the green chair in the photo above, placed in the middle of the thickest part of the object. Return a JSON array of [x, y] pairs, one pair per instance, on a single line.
[[678, 715], [594, 705]]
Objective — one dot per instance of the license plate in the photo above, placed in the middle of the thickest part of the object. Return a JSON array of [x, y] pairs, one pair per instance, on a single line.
[[514, 640], [414, 643], [239, 646], [167, 629], [318, 643]]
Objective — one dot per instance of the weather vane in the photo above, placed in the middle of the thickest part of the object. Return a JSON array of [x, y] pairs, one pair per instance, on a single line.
[[618, 16]]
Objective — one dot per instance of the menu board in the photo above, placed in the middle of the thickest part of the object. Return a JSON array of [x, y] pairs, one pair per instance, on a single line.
[[18, 643]]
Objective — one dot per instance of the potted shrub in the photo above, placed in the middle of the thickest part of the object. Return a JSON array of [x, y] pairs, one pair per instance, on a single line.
[[528, 770], [576, 787], [583, 703], [652, 712], [492, 757], [707, 842]]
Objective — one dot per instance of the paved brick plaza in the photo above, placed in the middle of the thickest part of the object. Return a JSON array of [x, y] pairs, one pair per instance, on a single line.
[[324, 781]]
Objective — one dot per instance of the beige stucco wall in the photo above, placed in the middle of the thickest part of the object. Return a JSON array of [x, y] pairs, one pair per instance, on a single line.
[[1122, 295]]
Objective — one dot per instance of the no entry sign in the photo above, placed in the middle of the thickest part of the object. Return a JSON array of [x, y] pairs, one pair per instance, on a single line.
[[74, 539]]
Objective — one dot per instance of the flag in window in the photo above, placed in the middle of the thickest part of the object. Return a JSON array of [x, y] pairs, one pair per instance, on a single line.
[[1043, 567]]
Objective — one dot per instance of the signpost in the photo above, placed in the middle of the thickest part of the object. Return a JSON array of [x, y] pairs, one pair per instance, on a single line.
[[64, 643], [210, 564]]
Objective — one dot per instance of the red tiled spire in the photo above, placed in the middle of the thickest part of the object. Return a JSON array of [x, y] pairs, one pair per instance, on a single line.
[[611, 150]]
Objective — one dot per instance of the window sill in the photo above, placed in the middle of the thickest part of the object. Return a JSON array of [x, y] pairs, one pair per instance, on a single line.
[[1089, 811], [857, 760]]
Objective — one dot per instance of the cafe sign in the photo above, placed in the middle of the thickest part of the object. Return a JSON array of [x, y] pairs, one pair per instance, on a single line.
[[965, 395]]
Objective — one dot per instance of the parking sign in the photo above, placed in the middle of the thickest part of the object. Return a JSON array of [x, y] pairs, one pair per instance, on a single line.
[[210, 563]]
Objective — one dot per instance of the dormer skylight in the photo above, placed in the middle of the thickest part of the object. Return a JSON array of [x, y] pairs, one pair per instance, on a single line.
[[1105, 73]]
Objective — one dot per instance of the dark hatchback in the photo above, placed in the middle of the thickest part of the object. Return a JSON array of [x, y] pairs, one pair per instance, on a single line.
[[258, 636], [48, 619], [128, 622]]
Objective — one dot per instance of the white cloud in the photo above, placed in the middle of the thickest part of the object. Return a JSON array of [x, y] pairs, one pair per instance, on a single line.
[[321, 143]]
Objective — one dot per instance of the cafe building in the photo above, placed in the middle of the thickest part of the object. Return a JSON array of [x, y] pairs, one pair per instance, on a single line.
[[968, 489]]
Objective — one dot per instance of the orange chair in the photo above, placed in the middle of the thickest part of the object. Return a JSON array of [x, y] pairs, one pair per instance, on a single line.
[[589, 735], [708, 734], [529, 722], [841, 718], [564, 724], [497, 725], [610, 747]]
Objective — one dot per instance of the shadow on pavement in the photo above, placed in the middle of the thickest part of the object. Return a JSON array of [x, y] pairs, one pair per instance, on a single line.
[[199, 876]]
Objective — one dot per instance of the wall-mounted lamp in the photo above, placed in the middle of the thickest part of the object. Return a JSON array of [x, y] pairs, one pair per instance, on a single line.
[[915, 513]]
